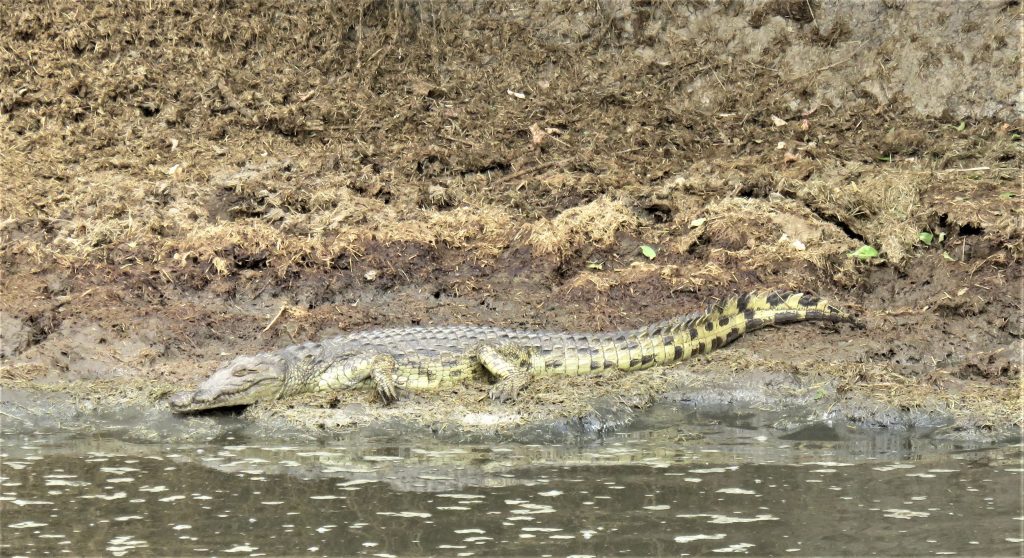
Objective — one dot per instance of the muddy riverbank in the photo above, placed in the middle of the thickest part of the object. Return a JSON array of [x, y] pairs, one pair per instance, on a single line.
[[184, 183]]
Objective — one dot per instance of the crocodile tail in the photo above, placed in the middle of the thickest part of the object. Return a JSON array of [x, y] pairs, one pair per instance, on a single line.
[[725, 321]]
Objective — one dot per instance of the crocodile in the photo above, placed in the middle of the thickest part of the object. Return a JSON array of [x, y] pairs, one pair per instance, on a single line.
[[422, 359]]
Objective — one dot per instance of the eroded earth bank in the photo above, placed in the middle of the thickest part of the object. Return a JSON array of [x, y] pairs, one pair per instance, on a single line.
[[186, 182]]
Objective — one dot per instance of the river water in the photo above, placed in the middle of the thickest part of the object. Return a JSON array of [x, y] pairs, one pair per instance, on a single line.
[[672, 483]]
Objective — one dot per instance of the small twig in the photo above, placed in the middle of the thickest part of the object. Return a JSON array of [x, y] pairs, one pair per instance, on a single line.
[[974, 169], [12, 416], [274, 320]]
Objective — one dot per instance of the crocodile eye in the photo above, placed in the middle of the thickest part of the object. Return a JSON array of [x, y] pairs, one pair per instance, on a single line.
[[242, 372]]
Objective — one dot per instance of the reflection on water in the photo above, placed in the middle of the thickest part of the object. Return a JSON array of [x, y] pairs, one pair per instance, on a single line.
[[668, 487]]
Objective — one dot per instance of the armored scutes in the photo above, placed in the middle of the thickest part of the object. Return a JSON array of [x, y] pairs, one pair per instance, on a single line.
[[426, 358]]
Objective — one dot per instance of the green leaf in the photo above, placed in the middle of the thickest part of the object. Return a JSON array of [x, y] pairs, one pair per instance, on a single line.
[[864, 253], [948, 257], [925, 237], [1008, 195], [592, 264], [942, 237], [961, 127], [647, 251]]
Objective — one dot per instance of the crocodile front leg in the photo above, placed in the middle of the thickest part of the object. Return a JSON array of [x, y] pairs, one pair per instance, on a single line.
[[510, 364], [379, 368], [382, 375]]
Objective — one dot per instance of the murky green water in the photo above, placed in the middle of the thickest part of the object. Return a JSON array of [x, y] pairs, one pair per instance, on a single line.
[[674, 484]]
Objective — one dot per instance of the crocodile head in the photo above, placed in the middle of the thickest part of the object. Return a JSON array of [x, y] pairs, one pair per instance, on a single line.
[[243, 381]]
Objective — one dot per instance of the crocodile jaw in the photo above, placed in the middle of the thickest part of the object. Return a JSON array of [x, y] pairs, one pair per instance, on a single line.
[[243, 381]]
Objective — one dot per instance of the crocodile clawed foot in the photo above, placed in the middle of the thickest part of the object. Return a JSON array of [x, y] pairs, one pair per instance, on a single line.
[[383, 376], [504, 391], [387, 393]]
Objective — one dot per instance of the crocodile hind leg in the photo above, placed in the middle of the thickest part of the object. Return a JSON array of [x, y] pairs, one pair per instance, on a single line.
[[510, 364]]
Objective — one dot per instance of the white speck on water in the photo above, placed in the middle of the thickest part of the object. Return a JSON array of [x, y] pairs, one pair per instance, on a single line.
[[714, 470], [470, 531], [127, 517], [355, 482], [720, 519], [181, 527], [65, 482], [148, 488], [20, 502], [454, 508], [739, 547], [689, 538], [528, 508], [543, 529], [903, 514], [550, 493], [326, 497], [463, 496], [735, 491], [241, 548], [119, 546], [172, 498], [405, 514], [370, 544], [274, 503], [659, 507], [114, 496], [26, 525]]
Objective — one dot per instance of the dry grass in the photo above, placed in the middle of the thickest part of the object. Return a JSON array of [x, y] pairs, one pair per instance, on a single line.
[[885, 208], [595, 223]]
